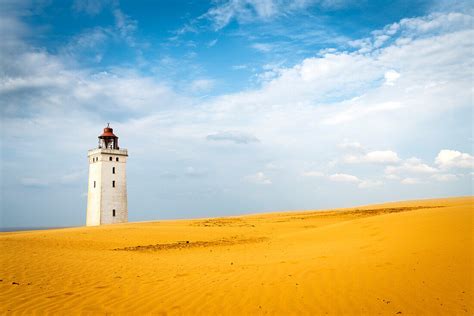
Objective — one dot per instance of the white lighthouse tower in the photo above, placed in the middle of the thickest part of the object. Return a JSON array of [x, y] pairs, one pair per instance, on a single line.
[[107, 193]]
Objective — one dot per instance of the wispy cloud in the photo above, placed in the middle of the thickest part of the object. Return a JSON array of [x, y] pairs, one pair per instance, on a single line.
[[410, 181], [351, 145], [125, 25], [239, 67], [91, 7], [246, 11], [233, 136], [201, 85], [343, 177], [212, 43], [263, 47], [445, 177], [348, 178], [378, 156]]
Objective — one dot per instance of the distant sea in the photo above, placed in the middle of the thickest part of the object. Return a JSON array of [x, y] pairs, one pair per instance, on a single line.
[[15, 229]]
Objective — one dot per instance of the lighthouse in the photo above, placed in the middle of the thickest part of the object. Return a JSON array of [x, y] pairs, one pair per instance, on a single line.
[[107, 192]]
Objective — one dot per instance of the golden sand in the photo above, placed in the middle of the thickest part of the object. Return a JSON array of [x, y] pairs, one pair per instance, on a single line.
[[409, 258]]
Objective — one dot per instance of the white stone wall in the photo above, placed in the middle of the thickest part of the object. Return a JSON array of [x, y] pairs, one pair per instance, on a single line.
[[93, 193], [105, 198]]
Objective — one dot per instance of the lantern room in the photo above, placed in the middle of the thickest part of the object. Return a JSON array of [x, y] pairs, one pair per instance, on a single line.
[[108, 140]]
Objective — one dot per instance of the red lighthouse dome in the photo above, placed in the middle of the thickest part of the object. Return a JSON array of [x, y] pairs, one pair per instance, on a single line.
[[107, 139]]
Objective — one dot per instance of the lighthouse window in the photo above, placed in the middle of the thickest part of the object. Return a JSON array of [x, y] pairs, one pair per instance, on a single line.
[[94, 184], [110, 158], [113, 184], [113, 169], [116, 159], [113, 213]]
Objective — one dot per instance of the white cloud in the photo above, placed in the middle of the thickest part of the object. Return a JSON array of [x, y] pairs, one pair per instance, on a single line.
[[236, 137], [378, 156], [263, 47], [351, 146], [414, 171], [454, 159], [239, 67], [258, 178], [391, 76], [355, 111], [212, 43], [348, 178], [342, 177], [382, 156], [409, 29], [410, 181], [202, 85], [410, 166], [437, 22], [445, 177]]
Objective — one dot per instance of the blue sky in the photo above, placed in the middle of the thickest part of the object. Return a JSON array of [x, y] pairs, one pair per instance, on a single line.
[[232, 107]]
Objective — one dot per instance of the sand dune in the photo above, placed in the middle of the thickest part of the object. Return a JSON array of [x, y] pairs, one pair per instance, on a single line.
[[409, 258]]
